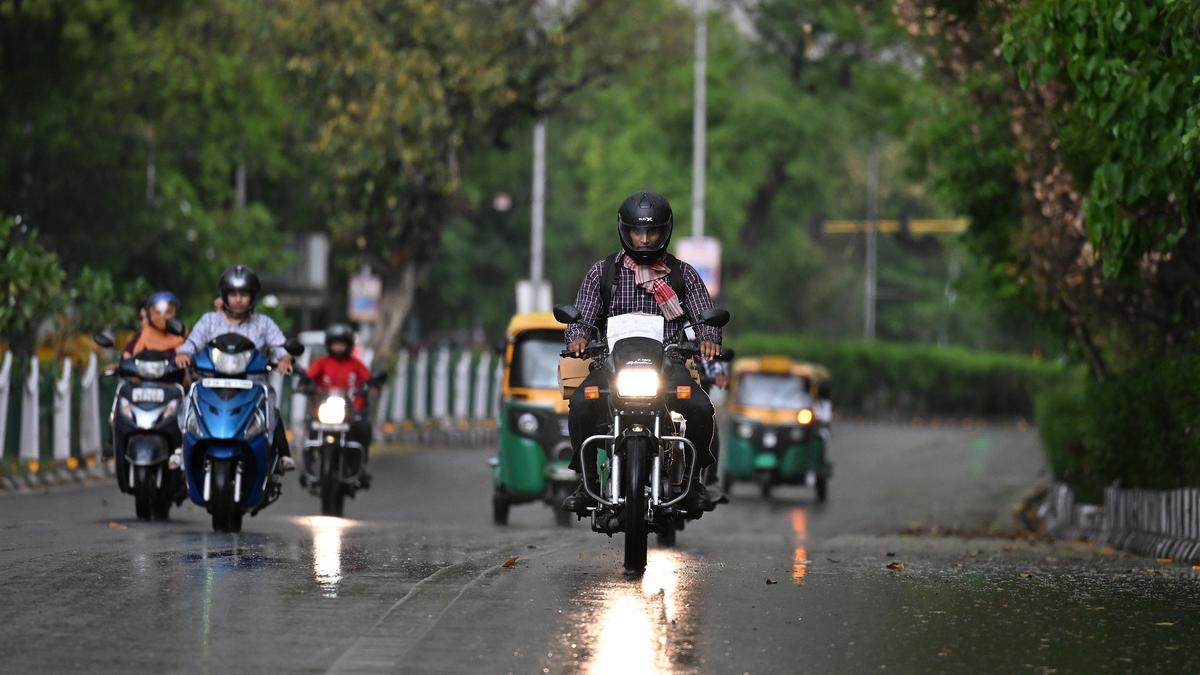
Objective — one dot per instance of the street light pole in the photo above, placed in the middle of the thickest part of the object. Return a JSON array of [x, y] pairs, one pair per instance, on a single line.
[[698, 118], [538, 225], [870, 285]]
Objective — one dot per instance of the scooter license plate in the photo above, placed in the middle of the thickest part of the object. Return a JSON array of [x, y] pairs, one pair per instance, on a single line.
[[222, 383], [147, 395]]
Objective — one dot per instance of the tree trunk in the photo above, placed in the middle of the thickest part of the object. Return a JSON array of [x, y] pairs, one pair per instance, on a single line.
[[399, 289]]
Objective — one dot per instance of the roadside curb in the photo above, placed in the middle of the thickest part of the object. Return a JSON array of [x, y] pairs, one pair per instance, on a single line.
[[1162, 524]]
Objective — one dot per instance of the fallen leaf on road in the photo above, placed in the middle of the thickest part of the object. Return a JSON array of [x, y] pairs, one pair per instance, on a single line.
[[1026, 575], [114, 525], [1165, 623], [771, 582], [896, 566], [1164, 561], [1108, 550], [510, 562], [838, 561], [891, 554], [1196, 568]]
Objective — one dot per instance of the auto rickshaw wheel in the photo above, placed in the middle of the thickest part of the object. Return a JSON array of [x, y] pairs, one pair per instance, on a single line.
[[500, 506], [765, 486], [822, 489], [561, 518]]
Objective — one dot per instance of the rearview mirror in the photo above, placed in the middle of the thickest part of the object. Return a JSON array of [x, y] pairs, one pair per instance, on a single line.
[[103, 339], [726, 355], [714, 317], [377, 379], [293, 347], [176, 327], [567, 314]]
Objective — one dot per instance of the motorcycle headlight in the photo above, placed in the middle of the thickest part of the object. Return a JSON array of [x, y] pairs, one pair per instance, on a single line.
[[150, 370], [231, 364], [745, 430], [257, 426], [637, 383], [805, 416], [527, 424], [332, 410]]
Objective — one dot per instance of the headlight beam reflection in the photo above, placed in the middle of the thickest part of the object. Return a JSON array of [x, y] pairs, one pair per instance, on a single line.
[[635, 629], [327, 550]]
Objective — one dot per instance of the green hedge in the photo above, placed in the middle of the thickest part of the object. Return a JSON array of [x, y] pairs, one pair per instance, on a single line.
[[1141, 428], [891, 378]]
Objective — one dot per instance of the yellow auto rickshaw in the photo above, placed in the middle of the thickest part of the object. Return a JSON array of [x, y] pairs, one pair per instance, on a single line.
[[535, 448], [779, 414]]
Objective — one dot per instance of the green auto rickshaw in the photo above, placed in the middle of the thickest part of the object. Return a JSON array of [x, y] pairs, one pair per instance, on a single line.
[[535, 448], [779, 415]]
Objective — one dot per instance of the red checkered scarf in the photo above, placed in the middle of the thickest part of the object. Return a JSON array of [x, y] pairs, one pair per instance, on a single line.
[[652, 280]]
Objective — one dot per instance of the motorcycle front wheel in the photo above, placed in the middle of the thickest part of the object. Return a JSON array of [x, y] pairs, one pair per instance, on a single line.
[[333, 493], [635, 466]]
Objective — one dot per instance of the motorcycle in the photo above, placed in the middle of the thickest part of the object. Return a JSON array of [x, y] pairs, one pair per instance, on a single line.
[[145, 430], [333, 459], [646, 467], [227, 455]]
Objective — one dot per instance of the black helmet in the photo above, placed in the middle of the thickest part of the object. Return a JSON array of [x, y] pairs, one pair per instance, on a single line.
[[339, 332], [239, 278], [640, 210]]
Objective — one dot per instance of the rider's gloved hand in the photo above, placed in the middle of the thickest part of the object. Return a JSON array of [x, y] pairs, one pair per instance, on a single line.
[[577, 346]]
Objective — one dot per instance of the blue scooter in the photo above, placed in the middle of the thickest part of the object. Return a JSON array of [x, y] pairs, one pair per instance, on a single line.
[[227, 455]]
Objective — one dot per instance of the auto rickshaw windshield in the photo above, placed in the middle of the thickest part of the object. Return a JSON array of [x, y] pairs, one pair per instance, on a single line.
[[770, 390], [535, 360]]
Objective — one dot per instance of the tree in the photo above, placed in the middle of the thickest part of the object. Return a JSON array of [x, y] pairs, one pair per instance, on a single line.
[[410, 90]]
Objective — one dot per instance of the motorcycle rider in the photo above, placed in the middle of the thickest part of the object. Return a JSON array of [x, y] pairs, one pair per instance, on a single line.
[[160, 307], [239, 287], [643, 278], [340, 369]]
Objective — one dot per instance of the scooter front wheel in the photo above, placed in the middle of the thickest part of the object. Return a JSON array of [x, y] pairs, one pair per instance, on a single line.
[[145, 493], [226, 516]]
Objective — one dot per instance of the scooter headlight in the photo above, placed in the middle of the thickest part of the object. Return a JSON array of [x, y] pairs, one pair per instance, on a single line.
[[257, 426], [637, 383], [231, 364], [150, 370], [527, 424], [332, 410]]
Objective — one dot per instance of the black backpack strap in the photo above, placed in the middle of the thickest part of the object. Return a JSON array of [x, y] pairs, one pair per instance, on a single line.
[[675, 278], [608, 282]]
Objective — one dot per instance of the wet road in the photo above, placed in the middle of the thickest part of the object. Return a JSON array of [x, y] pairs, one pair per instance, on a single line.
[[419, 580]]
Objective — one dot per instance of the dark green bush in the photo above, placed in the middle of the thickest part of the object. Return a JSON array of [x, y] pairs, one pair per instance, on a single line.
[[889, 378], [1140, 428]]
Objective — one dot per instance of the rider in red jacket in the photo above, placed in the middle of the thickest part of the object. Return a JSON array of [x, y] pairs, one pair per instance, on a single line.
[[340, 369]]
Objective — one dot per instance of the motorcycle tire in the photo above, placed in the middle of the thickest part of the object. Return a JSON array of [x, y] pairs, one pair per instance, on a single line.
[[226, 515], [145, 491], [333, 493], [635, 467]]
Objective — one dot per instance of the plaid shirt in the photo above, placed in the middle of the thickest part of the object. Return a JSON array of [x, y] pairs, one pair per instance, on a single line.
[[628, 297]]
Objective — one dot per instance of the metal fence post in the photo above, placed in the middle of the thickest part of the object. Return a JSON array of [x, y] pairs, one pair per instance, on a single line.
[[62, 422], [479, 408], [441, 387], [462, 389], [5, 387], [421, 388], [399, 402], [31, 445], [89, 415]]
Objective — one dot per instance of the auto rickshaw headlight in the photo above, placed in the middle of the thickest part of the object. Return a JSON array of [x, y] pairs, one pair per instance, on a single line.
[[527, 424], [770, 439], [805, 416], [745, 430], [637, 383]]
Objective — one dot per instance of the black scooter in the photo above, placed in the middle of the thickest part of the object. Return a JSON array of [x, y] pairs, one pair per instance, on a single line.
[[145, 430]]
